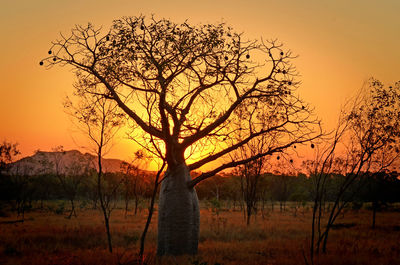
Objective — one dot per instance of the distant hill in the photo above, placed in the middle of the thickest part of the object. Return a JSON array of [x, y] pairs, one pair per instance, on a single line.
[[72, 162]]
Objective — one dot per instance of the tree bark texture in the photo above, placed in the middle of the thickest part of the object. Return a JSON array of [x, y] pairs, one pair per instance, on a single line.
[[178, 214]]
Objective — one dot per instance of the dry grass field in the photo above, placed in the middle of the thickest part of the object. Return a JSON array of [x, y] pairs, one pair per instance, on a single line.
[[278, 238]]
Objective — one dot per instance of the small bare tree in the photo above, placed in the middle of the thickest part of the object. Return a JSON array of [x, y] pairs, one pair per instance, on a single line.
[[133, 181], [366, 140], [21, 179], [70, 174], [250, 173], [99, 120], [8, 152]]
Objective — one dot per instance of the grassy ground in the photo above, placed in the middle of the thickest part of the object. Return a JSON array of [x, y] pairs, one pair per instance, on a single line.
[[278, 238]]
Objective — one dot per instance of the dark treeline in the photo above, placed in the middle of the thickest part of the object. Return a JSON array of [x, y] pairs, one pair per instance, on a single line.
[[20, 191], [382, 188]]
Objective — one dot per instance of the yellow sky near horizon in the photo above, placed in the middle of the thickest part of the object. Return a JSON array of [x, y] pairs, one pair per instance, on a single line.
[[340, 44]]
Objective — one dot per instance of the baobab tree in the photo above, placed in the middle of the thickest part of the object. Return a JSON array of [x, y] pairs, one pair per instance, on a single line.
[[184, 87]]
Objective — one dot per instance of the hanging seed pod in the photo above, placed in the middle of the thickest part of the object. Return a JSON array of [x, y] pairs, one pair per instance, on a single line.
[[312, 145], [281, 53], [142, 27], [289, 83], [248, 56], [226, 58], [107, 38], [291, 160], [41, 63], [49, 51], [278, 157], [55, 59]]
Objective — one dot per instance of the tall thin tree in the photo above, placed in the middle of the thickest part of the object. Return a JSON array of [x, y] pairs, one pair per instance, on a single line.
[[100, 120]]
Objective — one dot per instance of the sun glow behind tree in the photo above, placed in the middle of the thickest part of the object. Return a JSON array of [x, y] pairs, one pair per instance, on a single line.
[[192, 88]]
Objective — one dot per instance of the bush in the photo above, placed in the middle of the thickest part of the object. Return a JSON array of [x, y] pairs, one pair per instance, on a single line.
[[215, 206], [60, 208], [356, 205]]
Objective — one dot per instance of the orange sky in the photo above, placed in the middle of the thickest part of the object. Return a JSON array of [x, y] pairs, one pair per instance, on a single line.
[[340, 44]]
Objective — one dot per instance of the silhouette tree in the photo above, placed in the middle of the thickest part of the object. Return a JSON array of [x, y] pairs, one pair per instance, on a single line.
[[99, 119], [71, 174], [250, 173], [379, 191], [133, 186], [22, 183], [365, 141], [185, 86], [8, 151]]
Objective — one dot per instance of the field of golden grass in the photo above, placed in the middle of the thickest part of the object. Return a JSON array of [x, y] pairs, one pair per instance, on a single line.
[[277, 238]]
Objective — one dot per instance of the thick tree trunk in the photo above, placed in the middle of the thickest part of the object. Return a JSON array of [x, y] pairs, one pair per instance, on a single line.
[[178, 214]]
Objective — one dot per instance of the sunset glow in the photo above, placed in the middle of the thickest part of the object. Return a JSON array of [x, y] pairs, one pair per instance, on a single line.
[[340, 44], [200, 132]]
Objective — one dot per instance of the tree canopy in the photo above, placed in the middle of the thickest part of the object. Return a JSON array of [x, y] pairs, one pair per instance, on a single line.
[[201, 89]]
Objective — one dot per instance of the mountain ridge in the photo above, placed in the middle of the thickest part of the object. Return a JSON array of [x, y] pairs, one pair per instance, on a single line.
[[68, 161]]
